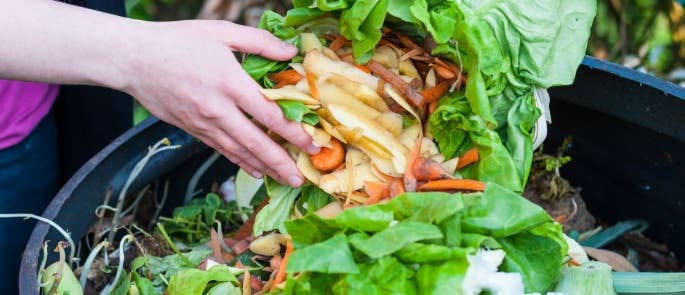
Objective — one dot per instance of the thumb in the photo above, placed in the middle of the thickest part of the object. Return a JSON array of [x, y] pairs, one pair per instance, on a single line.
[[261, 42]]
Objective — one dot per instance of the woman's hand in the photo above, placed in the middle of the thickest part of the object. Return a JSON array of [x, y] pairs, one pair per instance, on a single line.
[[185, 73]]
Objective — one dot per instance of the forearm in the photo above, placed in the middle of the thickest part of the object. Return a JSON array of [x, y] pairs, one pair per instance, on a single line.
[[48, 41]]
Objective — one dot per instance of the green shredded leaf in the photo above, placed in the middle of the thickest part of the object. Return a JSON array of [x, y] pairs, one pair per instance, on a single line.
[[298, 112]]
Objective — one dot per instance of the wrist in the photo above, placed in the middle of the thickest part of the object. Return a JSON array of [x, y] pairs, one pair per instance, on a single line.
[[121, 57]]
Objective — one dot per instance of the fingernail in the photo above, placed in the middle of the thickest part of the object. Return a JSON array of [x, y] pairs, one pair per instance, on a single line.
[[289, 47], [294, 181], [256, 174], [312, 149]]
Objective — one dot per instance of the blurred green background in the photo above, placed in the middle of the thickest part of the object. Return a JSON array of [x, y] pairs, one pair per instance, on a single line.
[[647, 35]]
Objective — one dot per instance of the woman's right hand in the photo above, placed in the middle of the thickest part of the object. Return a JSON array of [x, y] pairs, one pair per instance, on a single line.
[[185, 73]]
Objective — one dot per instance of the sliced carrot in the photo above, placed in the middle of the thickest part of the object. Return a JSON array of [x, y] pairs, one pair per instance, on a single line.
[[436, 92], [339, 42], [469, 157], [363, 68], [396, 187], [311, 82], [427, 169], [409, 178], [281, 84], [329, 158], [288, 76], [376, 191], [453, 184], [280, 276]]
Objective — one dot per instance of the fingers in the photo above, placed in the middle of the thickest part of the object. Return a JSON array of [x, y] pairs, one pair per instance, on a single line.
[[250, 100], [229, 149], [257, 41], [258, 145]]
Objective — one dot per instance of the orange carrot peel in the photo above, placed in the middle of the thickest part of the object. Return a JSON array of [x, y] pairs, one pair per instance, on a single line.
[[471, 156], [311, 82], [329, 158], [280, 276], [453, 184], [376, 191]]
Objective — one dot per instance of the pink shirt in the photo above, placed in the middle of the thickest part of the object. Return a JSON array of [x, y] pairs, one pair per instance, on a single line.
[[22, 106]]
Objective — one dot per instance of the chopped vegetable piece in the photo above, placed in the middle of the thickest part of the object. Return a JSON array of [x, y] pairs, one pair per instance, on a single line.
[[288, 77], [426, 169], [280, 276], [329, 158], [376, 191], [395, 81], [436, 92], [471, 156], [339, 42], [311, 82], [453, 184]]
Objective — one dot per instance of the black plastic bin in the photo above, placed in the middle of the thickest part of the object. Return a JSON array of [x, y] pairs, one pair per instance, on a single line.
[[629, 147]]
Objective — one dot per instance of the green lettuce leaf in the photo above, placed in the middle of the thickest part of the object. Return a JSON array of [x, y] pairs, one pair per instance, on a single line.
[[430, 207], [194, 281], [311, 229], [385, 276], [297, 16], [443, 278], [366, 218], [537, 258], [438, 17], [224, 288], [277, 211], [545, 40], [456, 129], [426, 253], [330, 256], [396, 237], [298, 112], [502, 213]]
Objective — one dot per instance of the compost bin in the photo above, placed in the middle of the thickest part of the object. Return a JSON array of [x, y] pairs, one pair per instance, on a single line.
[[628, 152]]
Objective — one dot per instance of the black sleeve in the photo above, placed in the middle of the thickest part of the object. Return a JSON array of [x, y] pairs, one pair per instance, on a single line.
[[89, 118]]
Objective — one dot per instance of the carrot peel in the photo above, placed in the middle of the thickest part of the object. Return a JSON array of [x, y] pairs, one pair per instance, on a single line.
[[453, 184], [280, 276], [311, 82], [376, 191], [426, 169], [471, 156], [329, 158], [286, 77]]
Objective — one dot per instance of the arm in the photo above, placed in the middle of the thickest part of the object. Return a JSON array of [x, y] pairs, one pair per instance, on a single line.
[[184, 73]]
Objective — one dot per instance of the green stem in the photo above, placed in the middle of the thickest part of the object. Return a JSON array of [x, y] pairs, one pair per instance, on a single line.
[[173, 246]]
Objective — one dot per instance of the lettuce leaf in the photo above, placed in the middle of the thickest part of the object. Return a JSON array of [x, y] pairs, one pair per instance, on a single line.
[[385, 276], [456, 129], [194, 281], [545, 40], [537, 258], [330, 256], [396, 237], [443, 278], [502, 213], [277, 211], [298, 112]]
